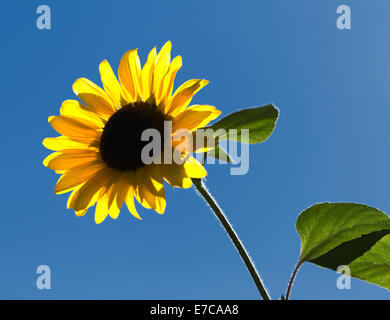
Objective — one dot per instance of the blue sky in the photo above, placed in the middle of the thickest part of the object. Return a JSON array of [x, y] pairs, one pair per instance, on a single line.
[[331, 144]]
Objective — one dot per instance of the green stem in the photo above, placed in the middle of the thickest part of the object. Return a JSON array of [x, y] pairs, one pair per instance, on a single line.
[[291, 282], [200, 186]]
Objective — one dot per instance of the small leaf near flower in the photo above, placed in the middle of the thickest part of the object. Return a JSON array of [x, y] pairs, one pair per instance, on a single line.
[[260, 121], [220, 154]]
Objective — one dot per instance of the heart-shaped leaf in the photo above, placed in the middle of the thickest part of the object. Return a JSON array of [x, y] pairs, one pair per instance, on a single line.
[[356, 235], [220, 154], [259, 121]]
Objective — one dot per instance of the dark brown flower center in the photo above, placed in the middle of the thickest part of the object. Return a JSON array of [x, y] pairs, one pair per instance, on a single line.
[[121, 144]]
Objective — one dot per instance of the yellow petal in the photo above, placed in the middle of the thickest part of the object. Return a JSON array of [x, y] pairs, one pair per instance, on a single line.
[[70, 158], [112, 192], [71, 197], [61, 143], [111, 84], [130, 203], [129, 195], [142, 194], [129, 75], [75, 109], [113, 208], [150, 190], [168, 83], [73, 129], [161, 67], [81, 213], [117, 194], [94, 97], [88, 194], [183, 95], [50, 157], [160, 203], [157, 188], [76, 176], [193, 168], [175, 175], [147, 74], [101, 210], [194, 117], [122, 188], [114, 211]]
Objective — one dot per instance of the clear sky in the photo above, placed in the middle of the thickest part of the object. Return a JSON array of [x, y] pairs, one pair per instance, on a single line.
[[331, 144]]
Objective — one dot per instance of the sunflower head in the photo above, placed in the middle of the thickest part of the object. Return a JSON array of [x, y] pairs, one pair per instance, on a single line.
[[99, 150]]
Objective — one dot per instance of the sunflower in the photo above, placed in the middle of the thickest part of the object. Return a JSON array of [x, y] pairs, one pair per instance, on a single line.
[[98, 152]]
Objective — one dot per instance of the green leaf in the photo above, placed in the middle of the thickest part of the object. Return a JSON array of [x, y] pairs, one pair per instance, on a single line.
[[220, 154], [367, 257], [260, 121], [374, 266], [349, 251], [356, 235], [324, 226]]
